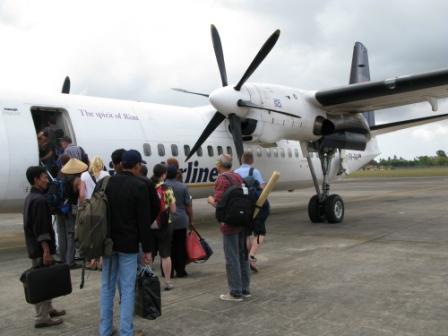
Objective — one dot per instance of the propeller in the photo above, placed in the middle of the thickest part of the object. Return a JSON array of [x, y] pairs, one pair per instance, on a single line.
[[264, 51], [66, 85], [191, 92], [220, 97]]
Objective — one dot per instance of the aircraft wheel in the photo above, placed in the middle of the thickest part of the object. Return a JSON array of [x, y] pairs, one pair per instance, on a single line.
[[334, 209], [315, 210]]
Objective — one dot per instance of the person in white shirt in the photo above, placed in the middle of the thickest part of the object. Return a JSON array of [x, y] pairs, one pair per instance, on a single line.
[[89, 178]]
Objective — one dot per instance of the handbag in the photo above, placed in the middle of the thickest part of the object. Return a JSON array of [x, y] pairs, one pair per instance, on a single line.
[[195, 251], [148, 302], [44, 283], [198, 253]]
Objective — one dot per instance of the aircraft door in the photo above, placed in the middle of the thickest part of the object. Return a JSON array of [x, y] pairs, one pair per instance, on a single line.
[[4, 159], [22, 150]]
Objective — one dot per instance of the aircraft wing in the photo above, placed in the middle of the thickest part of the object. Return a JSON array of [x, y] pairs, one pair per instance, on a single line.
[[399, 125], [397, 91]]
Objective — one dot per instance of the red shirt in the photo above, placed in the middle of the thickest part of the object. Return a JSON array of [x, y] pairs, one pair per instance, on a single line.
[[221, 185]]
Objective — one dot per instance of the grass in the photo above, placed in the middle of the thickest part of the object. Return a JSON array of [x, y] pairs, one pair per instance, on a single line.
[[402, 172]]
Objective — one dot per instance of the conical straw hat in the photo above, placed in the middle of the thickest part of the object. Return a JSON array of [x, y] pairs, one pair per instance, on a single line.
[[74, 166]]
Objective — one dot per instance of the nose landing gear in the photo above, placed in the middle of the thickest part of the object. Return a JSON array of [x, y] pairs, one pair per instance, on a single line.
[[324, 206]]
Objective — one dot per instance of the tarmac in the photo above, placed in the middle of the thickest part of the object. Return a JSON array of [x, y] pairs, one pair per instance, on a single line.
[[383, 271]]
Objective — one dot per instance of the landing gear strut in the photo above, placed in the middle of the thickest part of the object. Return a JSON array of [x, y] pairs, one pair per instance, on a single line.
[[323, 205]]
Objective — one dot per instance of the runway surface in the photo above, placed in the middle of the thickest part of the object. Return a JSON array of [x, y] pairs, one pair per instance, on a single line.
[[381, 272]]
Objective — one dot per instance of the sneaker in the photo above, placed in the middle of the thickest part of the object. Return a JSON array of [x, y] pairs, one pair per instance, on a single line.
[[230, 297], [169, 286], [247, 295], [48, 323], [252, 264]]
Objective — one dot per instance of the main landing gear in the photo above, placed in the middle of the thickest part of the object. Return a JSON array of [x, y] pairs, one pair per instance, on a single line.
[[324, 206]]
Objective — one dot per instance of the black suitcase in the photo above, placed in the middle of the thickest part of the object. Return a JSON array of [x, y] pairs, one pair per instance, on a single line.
[[148, 302], [45, 283]]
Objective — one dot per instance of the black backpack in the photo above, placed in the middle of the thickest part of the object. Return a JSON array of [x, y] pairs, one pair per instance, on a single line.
[[237, 205]]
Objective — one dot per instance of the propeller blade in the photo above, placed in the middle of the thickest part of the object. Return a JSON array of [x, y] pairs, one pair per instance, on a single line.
[[219, 54], [211, 126], [246, 103], [264, 51], [191, 92], [66, 85], [235, 125]]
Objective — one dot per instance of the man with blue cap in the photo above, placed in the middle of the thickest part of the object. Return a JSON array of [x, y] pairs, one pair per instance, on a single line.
[[129, 218]]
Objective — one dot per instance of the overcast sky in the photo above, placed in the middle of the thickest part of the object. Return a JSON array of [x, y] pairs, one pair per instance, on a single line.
[[138, 50]]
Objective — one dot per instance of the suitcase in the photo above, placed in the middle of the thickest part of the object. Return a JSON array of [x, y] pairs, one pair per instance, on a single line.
[[148, 302], [46, 283]]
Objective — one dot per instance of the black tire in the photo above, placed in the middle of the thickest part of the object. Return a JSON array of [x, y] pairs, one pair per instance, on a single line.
[[334, 209], [315, 210]]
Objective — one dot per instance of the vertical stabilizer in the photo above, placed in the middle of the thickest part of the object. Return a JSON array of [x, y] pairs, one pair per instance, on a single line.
[[360, 72]]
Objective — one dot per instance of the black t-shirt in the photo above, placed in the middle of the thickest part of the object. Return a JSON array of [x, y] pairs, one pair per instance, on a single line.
[[37, 224]]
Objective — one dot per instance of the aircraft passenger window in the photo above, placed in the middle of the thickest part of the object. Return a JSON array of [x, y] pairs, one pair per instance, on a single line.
[[289, 152], [186, 150], [199, 151], [276, 152], [259, 152], [268, 152], [296, 152], [220, 151], [174, 150], [161, 149], [210, 151], [147, 149], [229, 150], [282, 152]]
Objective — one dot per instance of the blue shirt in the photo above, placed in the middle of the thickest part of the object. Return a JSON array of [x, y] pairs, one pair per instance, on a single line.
[[243, 171]]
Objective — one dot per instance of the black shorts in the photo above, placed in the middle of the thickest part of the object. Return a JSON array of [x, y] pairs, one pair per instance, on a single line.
[[259, 224], [161, 241], [258, 228]]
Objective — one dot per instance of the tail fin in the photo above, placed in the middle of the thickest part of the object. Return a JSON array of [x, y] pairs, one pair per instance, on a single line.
[[360, 72]]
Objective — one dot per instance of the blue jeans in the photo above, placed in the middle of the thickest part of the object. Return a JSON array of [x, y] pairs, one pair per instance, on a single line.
[[124, 268], [237, 263], [66, 237]]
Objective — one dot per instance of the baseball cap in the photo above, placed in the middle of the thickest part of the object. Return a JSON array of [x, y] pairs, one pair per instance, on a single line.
[[132, 157]]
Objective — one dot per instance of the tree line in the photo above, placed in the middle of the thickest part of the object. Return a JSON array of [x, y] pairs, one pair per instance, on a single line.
[[440, 159]]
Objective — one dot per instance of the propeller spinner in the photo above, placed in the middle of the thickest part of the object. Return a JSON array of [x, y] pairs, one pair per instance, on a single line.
[[229, 100]]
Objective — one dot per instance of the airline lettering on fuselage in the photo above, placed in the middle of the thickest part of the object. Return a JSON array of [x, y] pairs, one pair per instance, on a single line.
[[195, 174]]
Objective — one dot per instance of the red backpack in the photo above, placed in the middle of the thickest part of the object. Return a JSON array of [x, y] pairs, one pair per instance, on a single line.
[[164, 212]]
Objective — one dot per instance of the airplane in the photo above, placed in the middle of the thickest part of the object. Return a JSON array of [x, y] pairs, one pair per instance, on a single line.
[[310, 137]]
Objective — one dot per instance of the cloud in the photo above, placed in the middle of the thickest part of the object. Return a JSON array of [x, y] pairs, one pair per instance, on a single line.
[[138, 50]]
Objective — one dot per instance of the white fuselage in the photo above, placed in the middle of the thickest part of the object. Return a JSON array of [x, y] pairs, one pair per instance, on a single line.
[[102, 125]]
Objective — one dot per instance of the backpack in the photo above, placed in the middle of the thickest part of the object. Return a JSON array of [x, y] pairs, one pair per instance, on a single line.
[[251, 182], [236, 206], [92, 235], [255, 190], [163, 217], [56, 198]]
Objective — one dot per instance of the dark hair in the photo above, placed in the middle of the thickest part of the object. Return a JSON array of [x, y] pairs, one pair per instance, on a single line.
[[116, 155], [143, 170], [247, 158], [67, 139], [64, 158], [33, 173], [128, 165], [158, 171], [171, 172]]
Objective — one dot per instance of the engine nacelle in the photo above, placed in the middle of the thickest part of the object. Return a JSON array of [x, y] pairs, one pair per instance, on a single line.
[[344, 140], [268, 127]]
